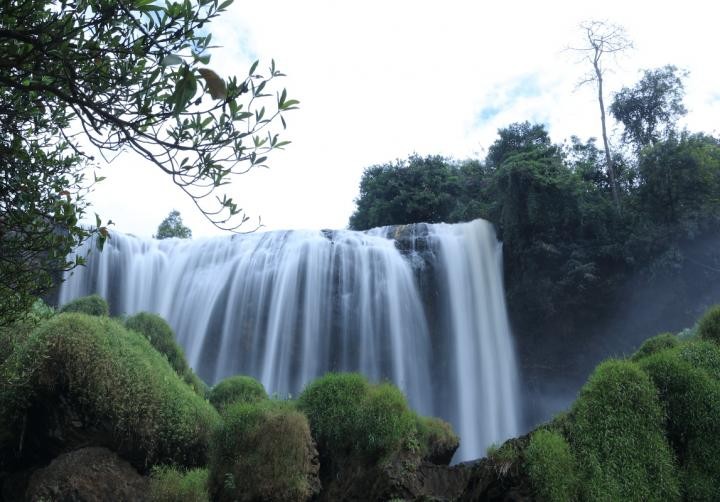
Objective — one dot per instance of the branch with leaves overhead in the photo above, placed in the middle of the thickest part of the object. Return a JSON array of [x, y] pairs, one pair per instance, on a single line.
[[119, 75], [132, 74]]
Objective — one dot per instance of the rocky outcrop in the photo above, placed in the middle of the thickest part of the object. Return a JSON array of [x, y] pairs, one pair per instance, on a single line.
[[87, 475]]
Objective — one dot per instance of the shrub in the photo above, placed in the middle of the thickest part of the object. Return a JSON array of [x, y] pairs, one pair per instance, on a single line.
[[702, 354], [709, 325], [114, 380], [349, 416], [656, 344], [161, 336], [692, 401], [551, 467], [386, 423], [11, 334], [332, 404], [239, 388], [438, 442], [618, 439], [90, 305], [168, 484], [263, 451]]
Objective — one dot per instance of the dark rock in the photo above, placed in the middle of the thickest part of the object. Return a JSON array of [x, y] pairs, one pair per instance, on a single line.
[[402, 476], [87, 475]]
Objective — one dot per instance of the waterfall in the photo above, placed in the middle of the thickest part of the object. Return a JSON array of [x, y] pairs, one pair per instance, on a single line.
[[420, 305]]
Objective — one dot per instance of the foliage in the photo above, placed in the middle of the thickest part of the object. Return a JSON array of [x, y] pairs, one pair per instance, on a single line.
[[115, 381], [161, 337], [263, 451], [437, 439], [709, 325], [650, 109], [419, 189], [348, 416], [551, 466], [90, 305], [169, 484], [655, 344], [236, 389], [618, 438], [125, 75], [692, 400], [172, 226]]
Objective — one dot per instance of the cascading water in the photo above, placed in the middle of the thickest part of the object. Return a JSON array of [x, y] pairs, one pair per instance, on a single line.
[[421, 305]]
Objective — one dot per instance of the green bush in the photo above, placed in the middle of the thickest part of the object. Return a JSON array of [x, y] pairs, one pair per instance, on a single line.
[[90, 305], [168, 484], [656, 344], [438, 442], [702, 354], [709, 325], [11, 334], [263, 451], [161, 336], [692, 402], [113, 379], [386, 423], [551, 467], [239, 388], [348, 416], [618, 439], [332, 404]]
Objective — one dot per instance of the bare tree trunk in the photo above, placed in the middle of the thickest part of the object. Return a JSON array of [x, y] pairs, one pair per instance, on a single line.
[[608, 155]]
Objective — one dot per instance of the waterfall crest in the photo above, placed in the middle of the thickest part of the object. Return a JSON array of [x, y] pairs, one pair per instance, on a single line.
[[420, 305]]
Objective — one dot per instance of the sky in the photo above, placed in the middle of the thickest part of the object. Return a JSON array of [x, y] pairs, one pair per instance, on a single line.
[[380, 80]]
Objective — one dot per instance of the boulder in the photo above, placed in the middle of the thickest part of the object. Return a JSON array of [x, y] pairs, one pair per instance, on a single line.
[[90, 474]]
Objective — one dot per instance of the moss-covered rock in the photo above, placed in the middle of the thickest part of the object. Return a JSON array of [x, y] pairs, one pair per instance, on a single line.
[[709, 325], [236, 389], [263, 451], [618, 437], [161, 336], [657, 343], [692, 401], [170, 484], [77, 375], [90, 305], [438, 442], [551, 467]]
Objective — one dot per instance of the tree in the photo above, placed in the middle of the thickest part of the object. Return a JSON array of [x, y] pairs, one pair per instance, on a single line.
[[516, 138], [420, 189], [172, 226], [650, 109], [118, 75], [603, 38]]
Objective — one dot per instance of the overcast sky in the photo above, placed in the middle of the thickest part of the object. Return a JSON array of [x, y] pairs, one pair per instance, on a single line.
[[379, 80]]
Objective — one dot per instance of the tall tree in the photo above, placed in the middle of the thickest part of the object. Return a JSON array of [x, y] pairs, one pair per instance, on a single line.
[[173, 226], [649, 110], [120, 75], [603, 39]]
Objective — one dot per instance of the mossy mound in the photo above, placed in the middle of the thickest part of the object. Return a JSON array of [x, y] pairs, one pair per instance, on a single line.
[[551, 467], [709, 325], [348, 416], [655, 344], [692, 401], [161, 336], [618, 438], [263, 451], [90, 305], [169, 484], [104, 379], [236, 389], [438, 442]]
